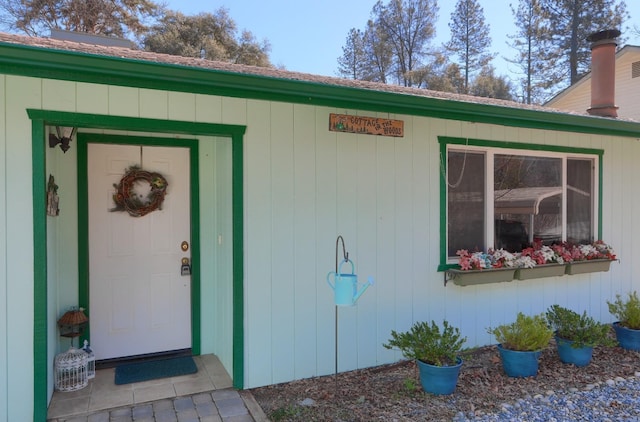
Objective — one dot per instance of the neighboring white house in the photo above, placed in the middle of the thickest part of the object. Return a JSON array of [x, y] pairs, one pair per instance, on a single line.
[[577, 97], [265, 169]]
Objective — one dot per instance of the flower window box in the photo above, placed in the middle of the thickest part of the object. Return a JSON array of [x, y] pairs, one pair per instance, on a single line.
[[541, 271], [591, 266], [473, 277], [537, 261]]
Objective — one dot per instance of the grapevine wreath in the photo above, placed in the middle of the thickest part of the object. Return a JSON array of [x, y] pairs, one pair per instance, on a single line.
[[135, 204]]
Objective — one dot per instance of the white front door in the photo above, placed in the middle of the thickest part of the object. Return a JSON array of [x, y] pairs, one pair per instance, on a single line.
[[139, 301]]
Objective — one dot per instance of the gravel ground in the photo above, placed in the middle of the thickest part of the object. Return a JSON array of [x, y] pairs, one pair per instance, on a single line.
[[615, 400], [608, 389]]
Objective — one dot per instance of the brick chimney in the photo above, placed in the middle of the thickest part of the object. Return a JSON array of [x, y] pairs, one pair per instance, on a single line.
[[603, 69]]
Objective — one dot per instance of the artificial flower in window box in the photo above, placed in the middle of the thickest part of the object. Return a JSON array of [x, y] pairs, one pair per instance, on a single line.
[[589, 258], [539, 261], [494, 266]]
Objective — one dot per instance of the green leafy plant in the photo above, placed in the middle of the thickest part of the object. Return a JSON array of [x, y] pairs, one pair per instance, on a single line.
[[428, 343], [410, 385], [288, 412], [626, 311], [581, 330], [527, 333]]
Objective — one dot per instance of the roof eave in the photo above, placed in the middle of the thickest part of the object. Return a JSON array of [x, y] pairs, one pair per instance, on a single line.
[[49, 63]]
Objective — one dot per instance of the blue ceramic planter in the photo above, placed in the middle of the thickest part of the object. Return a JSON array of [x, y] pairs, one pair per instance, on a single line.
[[519, 364], [569, 354], [439, 380], [629, 339]]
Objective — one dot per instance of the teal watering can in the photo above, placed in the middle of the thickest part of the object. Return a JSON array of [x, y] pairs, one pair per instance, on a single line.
[[345, 286]]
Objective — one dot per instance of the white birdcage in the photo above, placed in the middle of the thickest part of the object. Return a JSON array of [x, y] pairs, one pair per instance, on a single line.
[[91, 360], [70, 369]]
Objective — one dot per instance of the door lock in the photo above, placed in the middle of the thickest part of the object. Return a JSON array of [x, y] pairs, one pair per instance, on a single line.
[[185, 268]]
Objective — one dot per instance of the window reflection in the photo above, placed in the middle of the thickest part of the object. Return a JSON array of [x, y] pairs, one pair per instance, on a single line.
[[527, 197]]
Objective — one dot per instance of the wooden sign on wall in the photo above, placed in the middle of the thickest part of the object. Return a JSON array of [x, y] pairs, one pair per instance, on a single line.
[[365, 125]]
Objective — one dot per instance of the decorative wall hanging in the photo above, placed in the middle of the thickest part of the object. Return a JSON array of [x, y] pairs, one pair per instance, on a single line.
[[366, 125], [52, 198], [133, 197]]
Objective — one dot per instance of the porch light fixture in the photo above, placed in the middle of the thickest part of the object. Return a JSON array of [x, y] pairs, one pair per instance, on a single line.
[[61, 139]]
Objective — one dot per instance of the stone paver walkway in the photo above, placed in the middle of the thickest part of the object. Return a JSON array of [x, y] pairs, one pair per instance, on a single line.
[[226, 405]]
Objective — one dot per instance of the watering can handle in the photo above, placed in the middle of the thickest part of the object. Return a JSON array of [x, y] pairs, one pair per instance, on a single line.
[[352, 266], [329, 280]]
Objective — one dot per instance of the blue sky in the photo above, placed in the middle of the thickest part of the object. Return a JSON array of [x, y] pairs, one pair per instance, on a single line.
[[307, 36]]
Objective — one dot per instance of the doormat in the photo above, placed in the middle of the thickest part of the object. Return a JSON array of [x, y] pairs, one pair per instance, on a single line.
[[150, 370]]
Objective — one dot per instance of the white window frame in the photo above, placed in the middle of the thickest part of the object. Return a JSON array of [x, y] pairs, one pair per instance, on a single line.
[[525, 150]]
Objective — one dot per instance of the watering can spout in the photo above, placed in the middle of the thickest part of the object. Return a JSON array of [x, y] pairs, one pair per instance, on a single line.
[[363, 289]]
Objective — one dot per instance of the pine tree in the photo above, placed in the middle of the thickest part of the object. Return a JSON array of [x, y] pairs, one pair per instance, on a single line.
[[487, 84], [444, 76], [532, 45], [408, 26], [470, 39], [568, 23], [378, 54], [351, 63]]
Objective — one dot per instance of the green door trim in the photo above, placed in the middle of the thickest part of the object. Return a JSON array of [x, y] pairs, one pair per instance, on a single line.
[[39, 120], [83, 139]]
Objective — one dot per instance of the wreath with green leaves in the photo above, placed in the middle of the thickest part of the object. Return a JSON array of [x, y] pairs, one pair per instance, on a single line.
[[135, 203]]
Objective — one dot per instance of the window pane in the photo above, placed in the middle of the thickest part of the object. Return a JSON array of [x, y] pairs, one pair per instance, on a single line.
[[466, 201], [579, 200], [527, 200]]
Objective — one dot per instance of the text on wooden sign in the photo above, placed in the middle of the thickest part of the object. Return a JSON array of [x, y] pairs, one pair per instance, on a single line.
[[365, 125]]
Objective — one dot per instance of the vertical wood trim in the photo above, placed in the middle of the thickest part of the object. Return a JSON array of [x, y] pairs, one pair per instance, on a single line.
[[83, 227], [237, 172], [196, 297], [39, 272], [442, 161], [600, 186]]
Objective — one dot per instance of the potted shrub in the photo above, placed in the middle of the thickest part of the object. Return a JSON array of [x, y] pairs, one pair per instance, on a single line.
[[577, 335], [627, 327], [435, 350], [521, 343]]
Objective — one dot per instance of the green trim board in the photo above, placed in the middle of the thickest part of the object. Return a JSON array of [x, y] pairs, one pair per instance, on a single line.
[[237, 152], [39, 181], [447, 140], [443, 207], [444, 141], [41, 118], [196, 311], [135, 124], [26, 60], [83, 139]]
